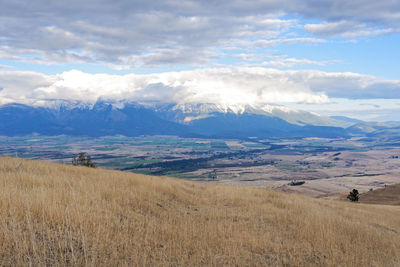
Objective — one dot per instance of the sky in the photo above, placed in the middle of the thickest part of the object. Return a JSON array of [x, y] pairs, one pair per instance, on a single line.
[[332, 57]]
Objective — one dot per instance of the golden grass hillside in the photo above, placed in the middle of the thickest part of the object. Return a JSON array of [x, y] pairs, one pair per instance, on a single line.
[[53, 214], [389, 195]]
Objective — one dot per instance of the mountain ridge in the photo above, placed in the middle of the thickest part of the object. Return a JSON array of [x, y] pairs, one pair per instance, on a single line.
[[186, 120]]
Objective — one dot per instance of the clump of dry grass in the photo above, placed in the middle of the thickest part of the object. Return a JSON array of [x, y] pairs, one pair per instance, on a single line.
[[64, 215]]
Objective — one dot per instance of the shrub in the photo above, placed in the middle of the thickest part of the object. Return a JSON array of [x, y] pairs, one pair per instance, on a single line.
[[353, 195], [296, 183], [83, 160]]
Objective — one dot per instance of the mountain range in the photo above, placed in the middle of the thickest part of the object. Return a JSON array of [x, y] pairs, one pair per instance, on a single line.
[[185, 120]]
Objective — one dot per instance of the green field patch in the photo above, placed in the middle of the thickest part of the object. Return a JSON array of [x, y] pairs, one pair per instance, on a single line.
[[28, 156], [106, 148], [115, 164], [327, 164], [289, 167], [254, 145], [144, 162], [219, 145]]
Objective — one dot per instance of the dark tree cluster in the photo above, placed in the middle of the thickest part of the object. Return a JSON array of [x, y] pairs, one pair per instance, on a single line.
[[353, 195], [83, 160]]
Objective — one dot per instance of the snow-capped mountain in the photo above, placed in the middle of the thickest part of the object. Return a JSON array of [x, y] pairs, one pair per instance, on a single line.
[[188, 112], [196, 120]]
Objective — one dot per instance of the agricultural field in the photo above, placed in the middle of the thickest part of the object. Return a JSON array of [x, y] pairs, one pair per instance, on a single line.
[[327, 166]]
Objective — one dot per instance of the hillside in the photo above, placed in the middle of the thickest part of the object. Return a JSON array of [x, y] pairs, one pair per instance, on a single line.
[[53, 214], [390, 195]]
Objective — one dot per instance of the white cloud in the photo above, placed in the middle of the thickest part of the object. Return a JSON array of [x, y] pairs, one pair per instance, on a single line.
[[279, 61], [364, 109], [5, 66], [220, 85], [347, 29], [286, 62], [352, 85], [330, 28], [135, 33], [370, 105]]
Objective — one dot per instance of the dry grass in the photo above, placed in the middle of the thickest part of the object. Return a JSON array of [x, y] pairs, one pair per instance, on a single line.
[[53, 214], [389, 195]]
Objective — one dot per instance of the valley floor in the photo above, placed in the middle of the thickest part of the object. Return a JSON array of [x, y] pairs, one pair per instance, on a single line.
[[53, 214], [328, 167]]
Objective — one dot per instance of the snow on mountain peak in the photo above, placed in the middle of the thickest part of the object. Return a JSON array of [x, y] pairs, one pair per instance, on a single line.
[[205, 108]]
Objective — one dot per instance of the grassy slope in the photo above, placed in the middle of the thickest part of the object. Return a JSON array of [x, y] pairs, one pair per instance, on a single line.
[[57, 214], [389, 195]]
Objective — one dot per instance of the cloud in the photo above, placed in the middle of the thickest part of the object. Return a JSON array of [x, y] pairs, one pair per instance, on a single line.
[[364, 109], [272, 42], [139, 33], [5, 66], [370, 105], [351, 85], [347, 29], [374, 13], [216, 85], [330, 28], [286, 62], [279, 61], [132, 34], [19, 86]]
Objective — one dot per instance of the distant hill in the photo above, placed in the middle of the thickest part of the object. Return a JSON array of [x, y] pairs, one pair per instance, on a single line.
[[346, 119], [390, 133], [389, 195], [67, 215], [245, 125], [133, 119], [367, 127]]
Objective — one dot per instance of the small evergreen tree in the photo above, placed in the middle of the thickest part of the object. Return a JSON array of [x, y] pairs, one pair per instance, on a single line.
[[353, 195], [83, 160]]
